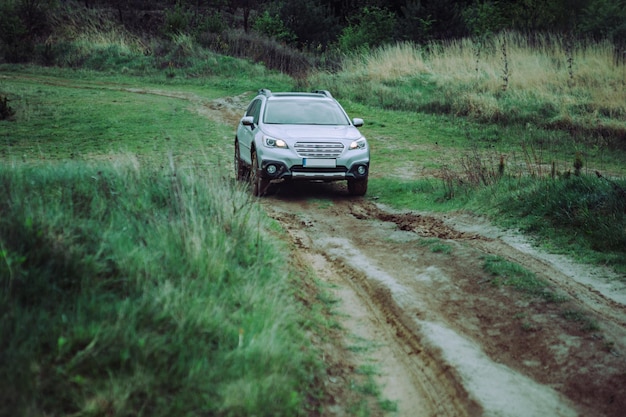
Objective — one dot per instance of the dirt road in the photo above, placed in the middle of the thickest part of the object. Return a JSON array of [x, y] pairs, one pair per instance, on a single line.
[[418, 311], [417, 305]]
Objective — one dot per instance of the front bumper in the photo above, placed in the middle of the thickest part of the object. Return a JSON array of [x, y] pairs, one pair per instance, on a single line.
[[278, 170]]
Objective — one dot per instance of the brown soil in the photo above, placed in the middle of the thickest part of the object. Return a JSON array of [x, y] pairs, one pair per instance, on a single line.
[[442, 338]]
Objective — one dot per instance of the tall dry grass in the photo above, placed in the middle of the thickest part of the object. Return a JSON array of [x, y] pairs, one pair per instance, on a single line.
[[93, 29], [545, 79]]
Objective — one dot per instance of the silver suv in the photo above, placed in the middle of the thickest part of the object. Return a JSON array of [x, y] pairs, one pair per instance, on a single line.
[[300, 136]]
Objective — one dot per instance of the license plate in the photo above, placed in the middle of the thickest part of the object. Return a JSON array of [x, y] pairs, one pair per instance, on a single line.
[[319, 163]]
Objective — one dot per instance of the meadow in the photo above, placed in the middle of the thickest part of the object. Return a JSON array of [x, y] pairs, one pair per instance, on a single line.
[[136, 277]]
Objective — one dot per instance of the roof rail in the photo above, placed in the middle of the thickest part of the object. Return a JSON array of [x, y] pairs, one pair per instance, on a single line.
[[265, 92], [325, 92]]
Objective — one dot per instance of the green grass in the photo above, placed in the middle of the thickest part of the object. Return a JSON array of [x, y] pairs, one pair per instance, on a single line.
[[586, 323], [582, 216], [124, 291], [129, 262], [436, 246], [87, 120], [508, 273]]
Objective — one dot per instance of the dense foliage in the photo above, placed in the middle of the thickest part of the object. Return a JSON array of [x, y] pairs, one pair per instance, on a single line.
[[322, 25]]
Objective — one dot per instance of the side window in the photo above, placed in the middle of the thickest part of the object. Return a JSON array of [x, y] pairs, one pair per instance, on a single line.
[[254, 110]]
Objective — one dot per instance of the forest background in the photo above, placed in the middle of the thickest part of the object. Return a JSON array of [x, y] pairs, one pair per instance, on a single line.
[[320, 27]]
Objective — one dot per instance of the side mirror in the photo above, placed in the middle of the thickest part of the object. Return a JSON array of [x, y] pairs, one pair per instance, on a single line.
[[248, 121], [357, 122]]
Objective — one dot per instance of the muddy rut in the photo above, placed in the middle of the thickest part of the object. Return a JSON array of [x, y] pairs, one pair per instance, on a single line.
[[447, 341]]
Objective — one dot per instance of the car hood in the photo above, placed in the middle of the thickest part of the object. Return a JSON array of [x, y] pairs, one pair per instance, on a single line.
[[312, 132]]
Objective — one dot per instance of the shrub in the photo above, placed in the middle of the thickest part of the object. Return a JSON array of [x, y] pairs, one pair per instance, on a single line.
[[371, 28], [590, 210], [272, 26], [22, 22], [6, 111], [271, 53], [177, 20], [16, 46]]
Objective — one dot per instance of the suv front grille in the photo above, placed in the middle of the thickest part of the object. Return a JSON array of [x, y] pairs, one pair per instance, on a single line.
[[319, 149]]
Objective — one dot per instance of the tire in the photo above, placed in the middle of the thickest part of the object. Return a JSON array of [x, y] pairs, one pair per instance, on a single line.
[[258, 183], [357, 187], [240, 170]]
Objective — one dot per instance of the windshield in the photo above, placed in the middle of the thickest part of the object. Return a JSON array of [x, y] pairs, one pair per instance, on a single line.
[[304, 112]]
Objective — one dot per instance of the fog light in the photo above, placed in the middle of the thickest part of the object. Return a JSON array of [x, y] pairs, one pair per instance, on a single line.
[[361, 170], [271, 169]]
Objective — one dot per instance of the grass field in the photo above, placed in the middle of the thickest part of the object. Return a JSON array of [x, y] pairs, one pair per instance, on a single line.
[[137, 279]]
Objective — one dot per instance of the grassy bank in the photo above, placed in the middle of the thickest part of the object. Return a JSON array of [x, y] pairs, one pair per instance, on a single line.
[[131, 291], [135, 278], [580, 216], [539, 82]]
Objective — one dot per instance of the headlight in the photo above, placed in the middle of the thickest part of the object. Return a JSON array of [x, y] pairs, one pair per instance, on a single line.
[[358, 144], [274, 143]]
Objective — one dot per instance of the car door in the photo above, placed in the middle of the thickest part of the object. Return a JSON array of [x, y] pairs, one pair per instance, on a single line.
[[246, 133]]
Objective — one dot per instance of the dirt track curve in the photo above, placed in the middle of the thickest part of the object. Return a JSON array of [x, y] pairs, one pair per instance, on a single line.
[[443, 339], [448, 342]]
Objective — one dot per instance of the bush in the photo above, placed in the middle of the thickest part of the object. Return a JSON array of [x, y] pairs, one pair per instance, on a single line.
[[6, 111], [371, 28], [273, 27], [271, 53], [177, 20], [604, 19], [22, 23], [590, 211], [14, 40]]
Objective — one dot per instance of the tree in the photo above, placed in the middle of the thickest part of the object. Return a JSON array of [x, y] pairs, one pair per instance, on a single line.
[[447, 18], [311, 21], [246, 6], [604, 19], [484, 18], [415, 24], [21, 23], [372, 27]]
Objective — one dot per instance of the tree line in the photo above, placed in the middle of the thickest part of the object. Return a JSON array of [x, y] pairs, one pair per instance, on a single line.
[[314, 22], [346, 25]]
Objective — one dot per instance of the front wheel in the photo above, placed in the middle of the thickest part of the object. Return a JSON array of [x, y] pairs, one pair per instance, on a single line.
[[357, 187], [240, 170], [258, 183]]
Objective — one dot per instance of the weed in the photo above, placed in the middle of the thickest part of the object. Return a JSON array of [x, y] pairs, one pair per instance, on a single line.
[[450, 181], [388, 405], [455, 80], [359, 409], [587, 324], [512, 274], [529, 327], [505, 65], [436, 246], [578, 163]]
